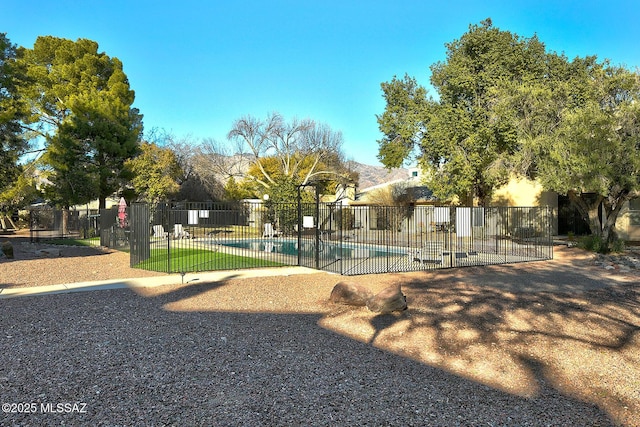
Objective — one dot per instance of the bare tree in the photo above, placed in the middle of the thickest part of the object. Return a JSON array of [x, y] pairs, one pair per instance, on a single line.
[[304, 149], [199, 181]]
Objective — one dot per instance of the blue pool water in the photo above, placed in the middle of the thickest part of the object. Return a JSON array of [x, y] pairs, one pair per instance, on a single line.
[[327, 250]]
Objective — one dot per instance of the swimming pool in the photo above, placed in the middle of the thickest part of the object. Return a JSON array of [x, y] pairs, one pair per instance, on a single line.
[[328, 250]]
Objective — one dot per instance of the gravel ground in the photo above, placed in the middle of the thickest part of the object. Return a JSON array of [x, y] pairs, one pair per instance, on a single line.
[[76, 264], [541, 344]]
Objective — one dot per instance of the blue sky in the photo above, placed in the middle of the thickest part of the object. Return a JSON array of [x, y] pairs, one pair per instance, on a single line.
[[196, 66]]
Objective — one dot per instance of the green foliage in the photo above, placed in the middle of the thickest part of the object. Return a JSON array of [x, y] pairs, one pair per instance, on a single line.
[[596, 243], [617, 246], [155, 173], [12, 112], [281, 206], [403, 122], [238, 191], [464, 142], [81, 104], [19, 194], [583, 148], [506, 106], [593, 243], [75, 179]]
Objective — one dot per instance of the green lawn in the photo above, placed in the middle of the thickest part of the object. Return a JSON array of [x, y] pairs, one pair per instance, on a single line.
[[191, 260], [93, 241]]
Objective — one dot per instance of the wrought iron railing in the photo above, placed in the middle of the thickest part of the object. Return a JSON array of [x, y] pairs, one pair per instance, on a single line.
[[347, 240], [343, 239]]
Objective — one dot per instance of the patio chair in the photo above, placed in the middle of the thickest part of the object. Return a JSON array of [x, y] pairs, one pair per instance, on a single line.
[[429, 253], [179, 232], [158, 231]]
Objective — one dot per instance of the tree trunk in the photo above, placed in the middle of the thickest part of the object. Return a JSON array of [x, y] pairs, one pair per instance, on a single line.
[[65, 221], [611, 212], [588, 209], [591, 207]]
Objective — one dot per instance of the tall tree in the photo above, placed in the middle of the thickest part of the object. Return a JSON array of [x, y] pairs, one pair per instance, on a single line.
[[81, 105], [12, 113], [404, 121], [582, 131], [463, 143]]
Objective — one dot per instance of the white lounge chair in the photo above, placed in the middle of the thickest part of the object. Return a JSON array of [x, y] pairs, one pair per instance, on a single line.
[[158, 231], [179, 232]]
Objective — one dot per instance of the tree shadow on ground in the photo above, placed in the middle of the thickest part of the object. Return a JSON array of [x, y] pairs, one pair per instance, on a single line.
[[496, 337], [130, 359], [476, 347], [578, 336]]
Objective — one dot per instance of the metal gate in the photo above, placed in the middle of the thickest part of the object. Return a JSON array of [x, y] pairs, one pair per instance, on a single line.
[[140, 235]]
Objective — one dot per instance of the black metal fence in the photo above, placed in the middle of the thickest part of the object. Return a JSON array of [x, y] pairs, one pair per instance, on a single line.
[[347, 240], [208, 236], [381, 239], [104, 227], [49, 223]]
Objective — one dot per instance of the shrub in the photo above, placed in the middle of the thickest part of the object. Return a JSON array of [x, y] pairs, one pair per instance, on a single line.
[[596, 244], [617, 245], [593, 243]]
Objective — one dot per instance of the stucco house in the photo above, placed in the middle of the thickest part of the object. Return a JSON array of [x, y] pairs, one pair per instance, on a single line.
[[519, 192], [524, 192]]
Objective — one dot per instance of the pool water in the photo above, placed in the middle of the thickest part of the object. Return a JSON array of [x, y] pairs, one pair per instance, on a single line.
[[327, 250]]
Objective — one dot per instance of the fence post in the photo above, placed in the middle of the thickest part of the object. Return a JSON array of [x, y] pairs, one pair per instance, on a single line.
[[451, 226], [317, 249], [168, 213], [299, 227]]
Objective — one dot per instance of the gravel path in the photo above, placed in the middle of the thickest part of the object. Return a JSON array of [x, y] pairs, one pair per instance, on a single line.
[[539, 344], [76, 264]]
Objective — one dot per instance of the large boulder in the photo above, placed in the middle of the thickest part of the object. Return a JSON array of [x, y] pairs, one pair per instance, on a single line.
[[350, 294], [7, 249], [388, 300]]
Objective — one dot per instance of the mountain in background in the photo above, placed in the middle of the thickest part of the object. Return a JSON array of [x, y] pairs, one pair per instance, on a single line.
[[374, 175], [369, 175]]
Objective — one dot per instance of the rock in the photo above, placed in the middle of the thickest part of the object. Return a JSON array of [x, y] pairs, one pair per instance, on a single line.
[[7, 249], [388, 300], [49, 252], [350, 294]]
